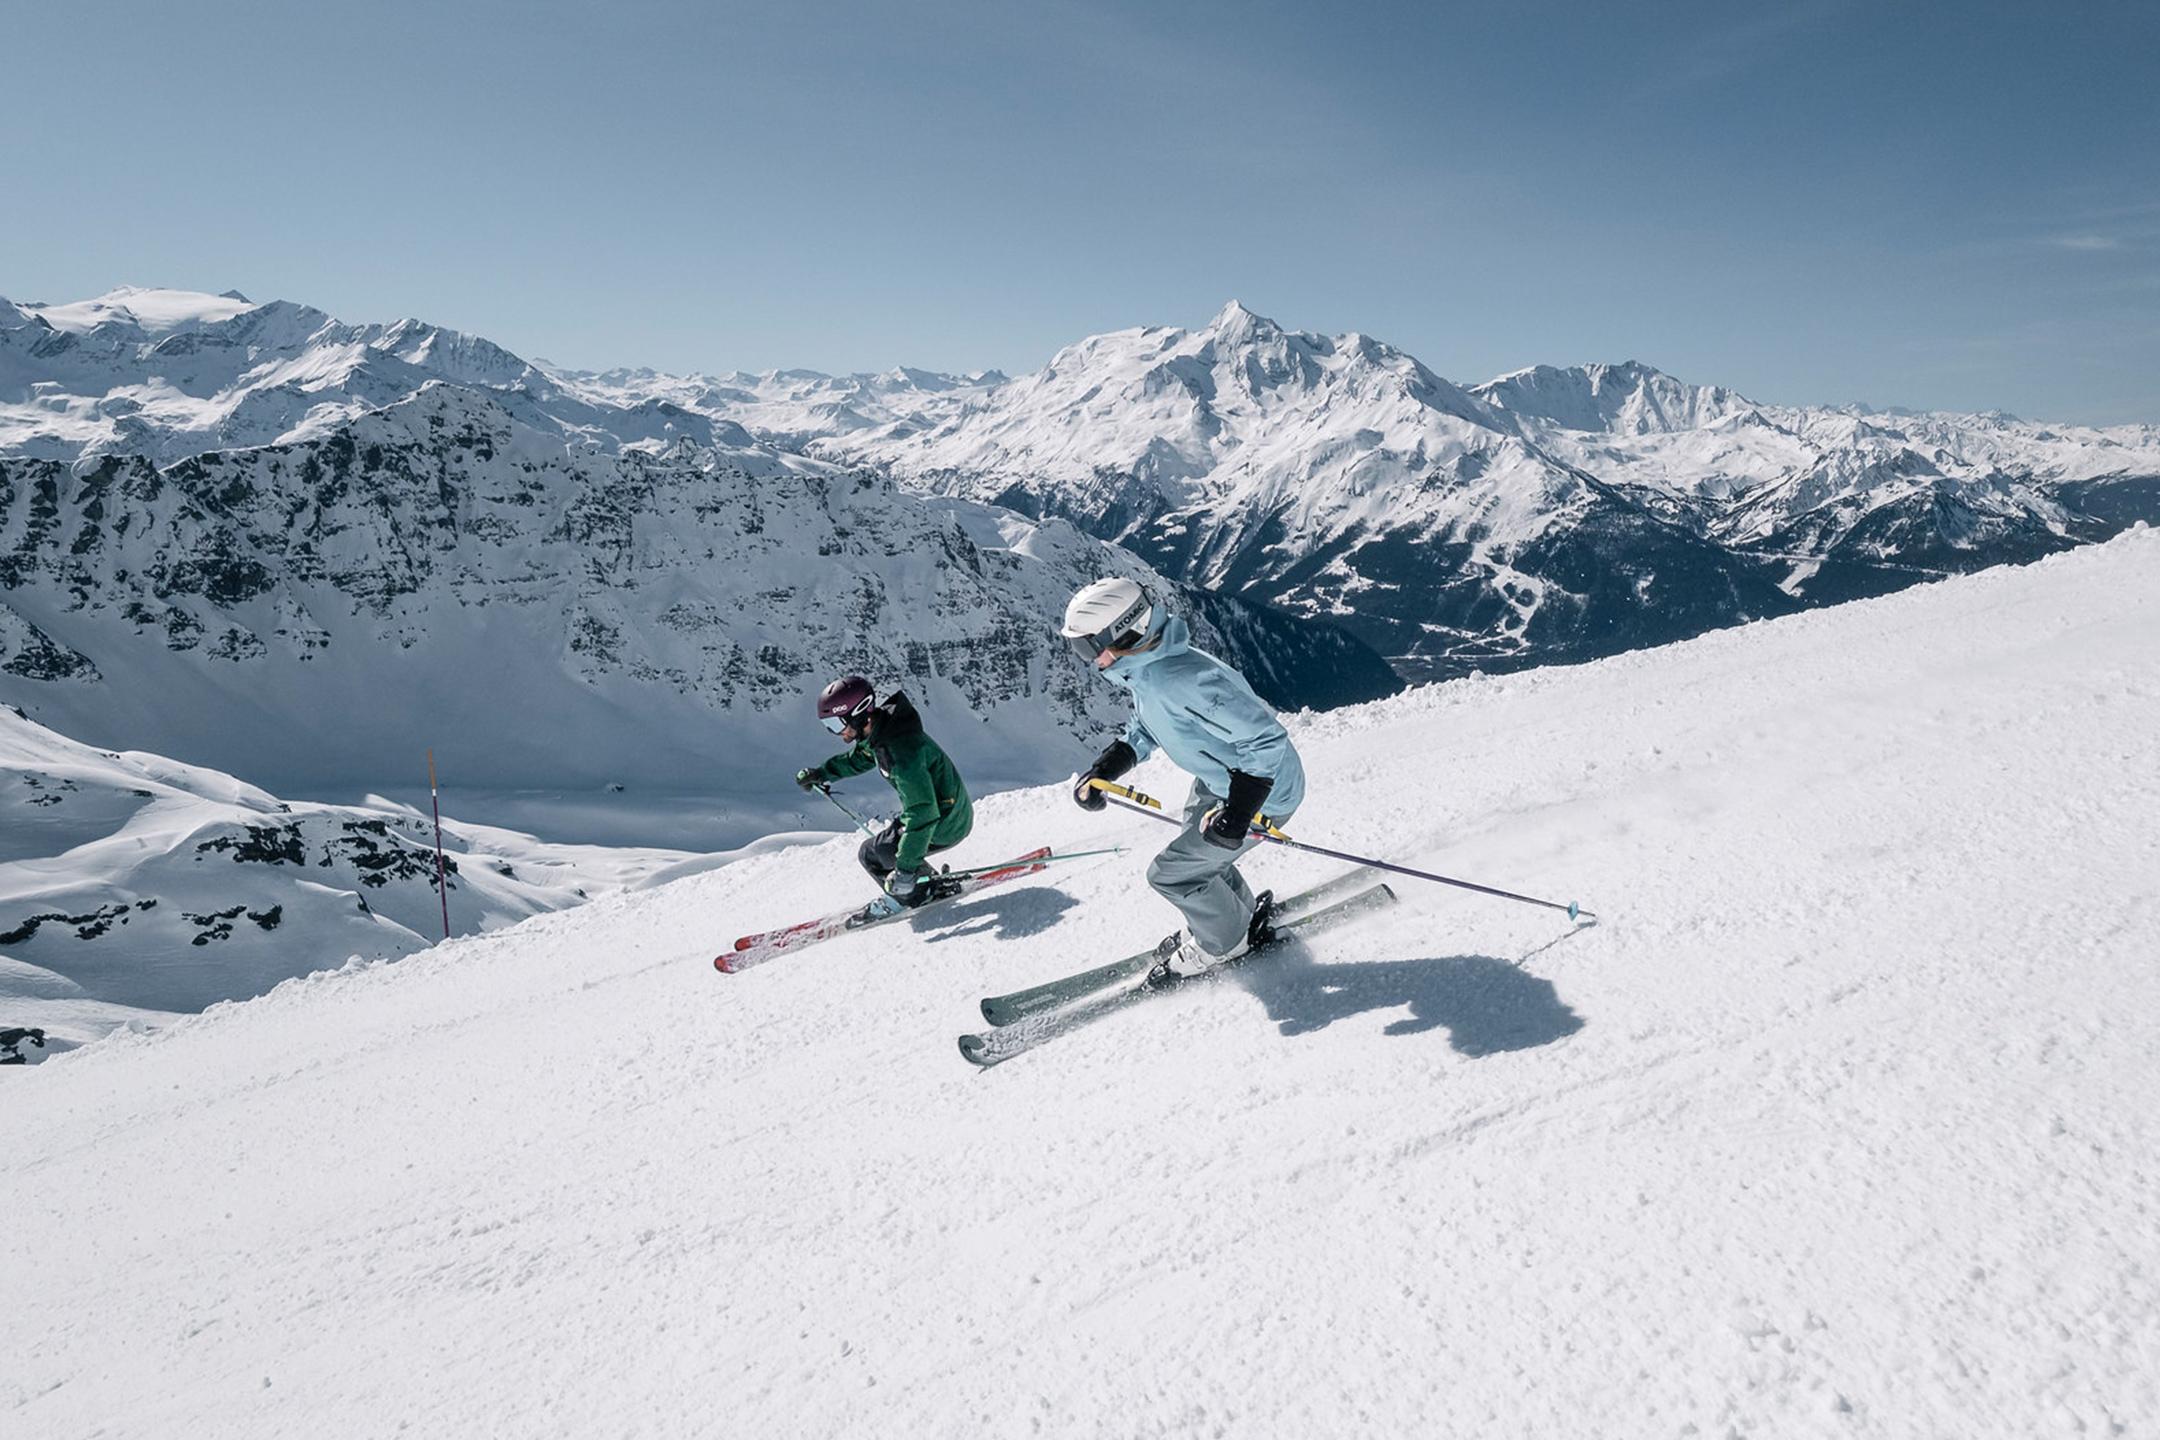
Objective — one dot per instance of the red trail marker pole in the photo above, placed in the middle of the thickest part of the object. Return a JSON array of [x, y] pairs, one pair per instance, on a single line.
[[440, 888]]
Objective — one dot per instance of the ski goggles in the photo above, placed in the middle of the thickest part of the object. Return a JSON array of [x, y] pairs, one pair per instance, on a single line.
[[838, 724], [1120, 634]]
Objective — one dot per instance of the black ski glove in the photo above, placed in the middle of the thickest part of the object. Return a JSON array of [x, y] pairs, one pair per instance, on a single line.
[[1113, 762], [807, 779], [1231, 825]]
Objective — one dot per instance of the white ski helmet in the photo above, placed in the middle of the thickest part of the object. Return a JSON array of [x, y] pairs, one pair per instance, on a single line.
[[1113, 614]]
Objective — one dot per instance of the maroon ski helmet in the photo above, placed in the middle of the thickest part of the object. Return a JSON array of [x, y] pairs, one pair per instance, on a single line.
[[846, 700]]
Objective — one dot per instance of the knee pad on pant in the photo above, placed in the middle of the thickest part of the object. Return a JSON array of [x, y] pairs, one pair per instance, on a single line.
[[1171, 874], [874, 858]]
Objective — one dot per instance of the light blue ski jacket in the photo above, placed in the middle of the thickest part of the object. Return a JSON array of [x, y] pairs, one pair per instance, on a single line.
[[1203, 715]]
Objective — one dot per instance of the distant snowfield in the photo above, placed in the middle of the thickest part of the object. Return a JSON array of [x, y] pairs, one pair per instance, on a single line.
[[134, 888], [153, 311], [1842, 1123]]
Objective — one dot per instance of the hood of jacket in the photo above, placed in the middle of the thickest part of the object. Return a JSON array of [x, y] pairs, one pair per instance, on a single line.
[[1205, 717], [1176, 640], [895, 719]]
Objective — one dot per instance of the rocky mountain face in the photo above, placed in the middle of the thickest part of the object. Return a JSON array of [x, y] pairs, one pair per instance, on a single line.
[[1549, 515]]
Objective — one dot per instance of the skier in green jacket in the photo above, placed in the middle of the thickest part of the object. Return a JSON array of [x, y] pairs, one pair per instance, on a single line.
[[935, 813]]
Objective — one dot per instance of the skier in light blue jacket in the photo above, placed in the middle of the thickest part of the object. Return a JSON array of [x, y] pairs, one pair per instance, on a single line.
[[1202, 714]]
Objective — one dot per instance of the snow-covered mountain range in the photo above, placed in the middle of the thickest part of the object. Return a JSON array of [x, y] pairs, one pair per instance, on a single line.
[[202, 496], [789, 407], [1551, 514], [303, 551], [166, 374]]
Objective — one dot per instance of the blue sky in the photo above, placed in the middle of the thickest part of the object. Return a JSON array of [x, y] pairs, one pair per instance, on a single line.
[[1939, 205]]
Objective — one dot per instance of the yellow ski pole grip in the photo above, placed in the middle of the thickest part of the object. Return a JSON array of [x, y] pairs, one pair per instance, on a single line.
[[1123, 792]]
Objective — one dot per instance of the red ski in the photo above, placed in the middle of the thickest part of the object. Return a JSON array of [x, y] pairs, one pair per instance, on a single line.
[[766, 945]]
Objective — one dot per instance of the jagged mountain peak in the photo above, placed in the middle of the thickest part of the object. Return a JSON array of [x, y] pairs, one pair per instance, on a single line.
[[1204, 446], [1236, 322], [454, 354], [909, 377], [1239, 353], [1629, 397], [168, 374]]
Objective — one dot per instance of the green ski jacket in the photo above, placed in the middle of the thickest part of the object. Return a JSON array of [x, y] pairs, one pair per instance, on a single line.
[[935, 809]]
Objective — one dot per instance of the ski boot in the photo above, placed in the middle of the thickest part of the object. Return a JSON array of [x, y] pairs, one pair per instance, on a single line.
[[1178, 956], [940, 884]]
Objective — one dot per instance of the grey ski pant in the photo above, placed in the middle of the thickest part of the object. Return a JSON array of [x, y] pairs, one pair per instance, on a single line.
[[1202, 879]]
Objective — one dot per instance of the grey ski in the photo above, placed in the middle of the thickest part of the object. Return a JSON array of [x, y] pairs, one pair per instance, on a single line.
[[991, 1047], [1056, 994]]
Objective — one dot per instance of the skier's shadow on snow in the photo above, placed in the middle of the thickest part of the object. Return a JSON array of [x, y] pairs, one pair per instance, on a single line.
[[1488, 1006], [1010, 915]]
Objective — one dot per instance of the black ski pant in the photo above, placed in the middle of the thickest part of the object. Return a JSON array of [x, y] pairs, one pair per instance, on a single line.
[[880, 854]]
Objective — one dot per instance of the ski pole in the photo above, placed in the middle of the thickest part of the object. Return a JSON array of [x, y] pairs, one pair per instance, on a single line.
[[1148, 805], [869, 829], [861, 824], [1046, 860]]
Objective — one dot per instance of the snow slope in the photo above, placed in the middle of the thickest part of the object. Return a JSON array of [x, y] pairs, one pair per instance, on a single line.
[[1841, 1123], [133, 887]]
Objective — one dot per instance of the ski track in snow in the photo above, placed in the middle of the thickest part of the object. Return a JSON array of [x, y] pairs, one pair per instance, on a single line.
[[1840, 1123]]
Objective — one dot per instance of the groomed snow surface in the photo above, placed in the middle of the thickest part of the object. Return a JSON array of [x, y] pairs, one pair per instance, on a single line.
[[1841, 1123]]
